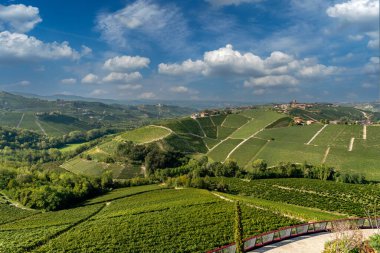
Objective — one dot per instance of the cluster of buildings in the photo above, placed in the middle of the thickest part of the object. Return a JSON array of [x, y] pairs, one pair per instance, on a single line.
[[292, 105]]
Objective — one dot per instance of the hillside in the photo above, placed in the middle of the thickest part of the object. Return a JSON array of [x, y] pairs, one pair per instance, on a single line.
[[159, 219], [260, 134], [55, 118]]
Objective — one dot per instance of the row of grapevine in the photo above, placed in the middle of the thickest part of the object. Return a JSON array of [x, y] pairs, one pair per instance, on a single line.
[[330, 196]]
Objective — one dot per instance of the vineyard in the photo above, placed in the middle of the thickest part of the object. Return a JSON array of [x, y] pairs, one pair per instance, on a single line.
[[146, 134], [324, 195], [138, 219], [156, 219], [260, 134]]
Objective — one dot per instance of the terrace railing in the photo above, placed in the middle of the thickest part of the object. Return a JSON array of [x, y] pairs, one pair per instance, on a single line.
[[284, 233]]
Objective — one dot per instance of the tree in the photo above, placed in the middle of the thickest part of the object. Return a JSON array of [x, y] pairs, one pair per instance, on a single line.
[[238, 229]]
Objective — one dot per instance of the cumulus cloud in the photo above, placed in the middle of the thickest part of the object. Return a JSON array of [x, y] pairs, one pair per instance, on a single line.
[[129, 87], [373, 66], [125, 63], [219, 3], [116, 77], [186, 67], [374, 42], [147, 95], [142, 21], [355, 11], [271, 81], [24, 47], [90, 79], [69, 81], [277, 70], [19, 18]]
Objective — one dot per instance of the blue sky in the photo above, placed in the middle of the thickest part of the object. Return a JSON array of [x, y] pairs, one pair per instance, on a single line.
[[241, 50]]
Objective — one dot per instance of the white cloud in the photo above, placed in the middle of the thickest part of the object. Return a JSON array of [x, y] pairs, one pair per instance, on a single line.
[[69, 81], [227, 60], [356, 11], [373, 66], [219, 3], [98, 92], [186, 67], [129, 87], [317, 70], [19, 18], [90, 79], [277, 70], [125, 63], [141, 21], [374, 42], [116, 77], [272, 81], [183, 90], [147, 95], [21, 46]]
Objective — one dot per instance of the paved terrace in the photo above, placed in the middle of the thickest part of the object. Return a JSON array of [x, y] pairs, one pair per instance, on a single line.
[[313, 243]]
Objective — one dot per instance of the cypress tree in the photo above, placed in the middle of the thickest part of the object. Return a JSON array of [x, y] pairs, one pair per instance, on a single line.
[[238, 229]]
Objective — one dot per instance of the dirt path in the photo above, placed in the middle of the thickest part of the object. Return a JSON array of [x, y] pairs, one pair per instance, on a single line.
[[365, 132], [19, 123], [200, 126], [39, 125], [351, 144], [14, 203], [326, 154], [316, 134]]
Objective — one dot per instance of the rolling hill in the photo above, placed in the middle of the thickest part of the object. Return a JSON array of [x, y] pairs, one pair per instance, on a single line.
[[154, 218], [59, 117], [260, 134]]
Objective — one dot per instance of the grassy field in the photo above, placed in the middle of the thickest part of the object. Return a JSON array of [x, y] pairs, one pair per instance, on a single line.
[[276, 152], [224, 132], [220, 152], [71, 147], [146, 134], [235, 121], [260, 121], [247, 151], [218, 120], [10, 119], [294, 134], [81, 166]]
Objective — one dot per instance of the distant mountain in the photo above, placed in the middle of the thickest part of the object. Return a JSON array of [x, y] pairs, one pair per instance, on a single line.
[[196, 104], [61, 113], [68, 98]]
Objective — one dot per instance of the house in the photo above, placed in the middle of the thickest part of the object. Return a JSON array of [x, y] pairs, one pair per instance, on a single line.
[[310, 121], [298, 121], [204, 114]]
